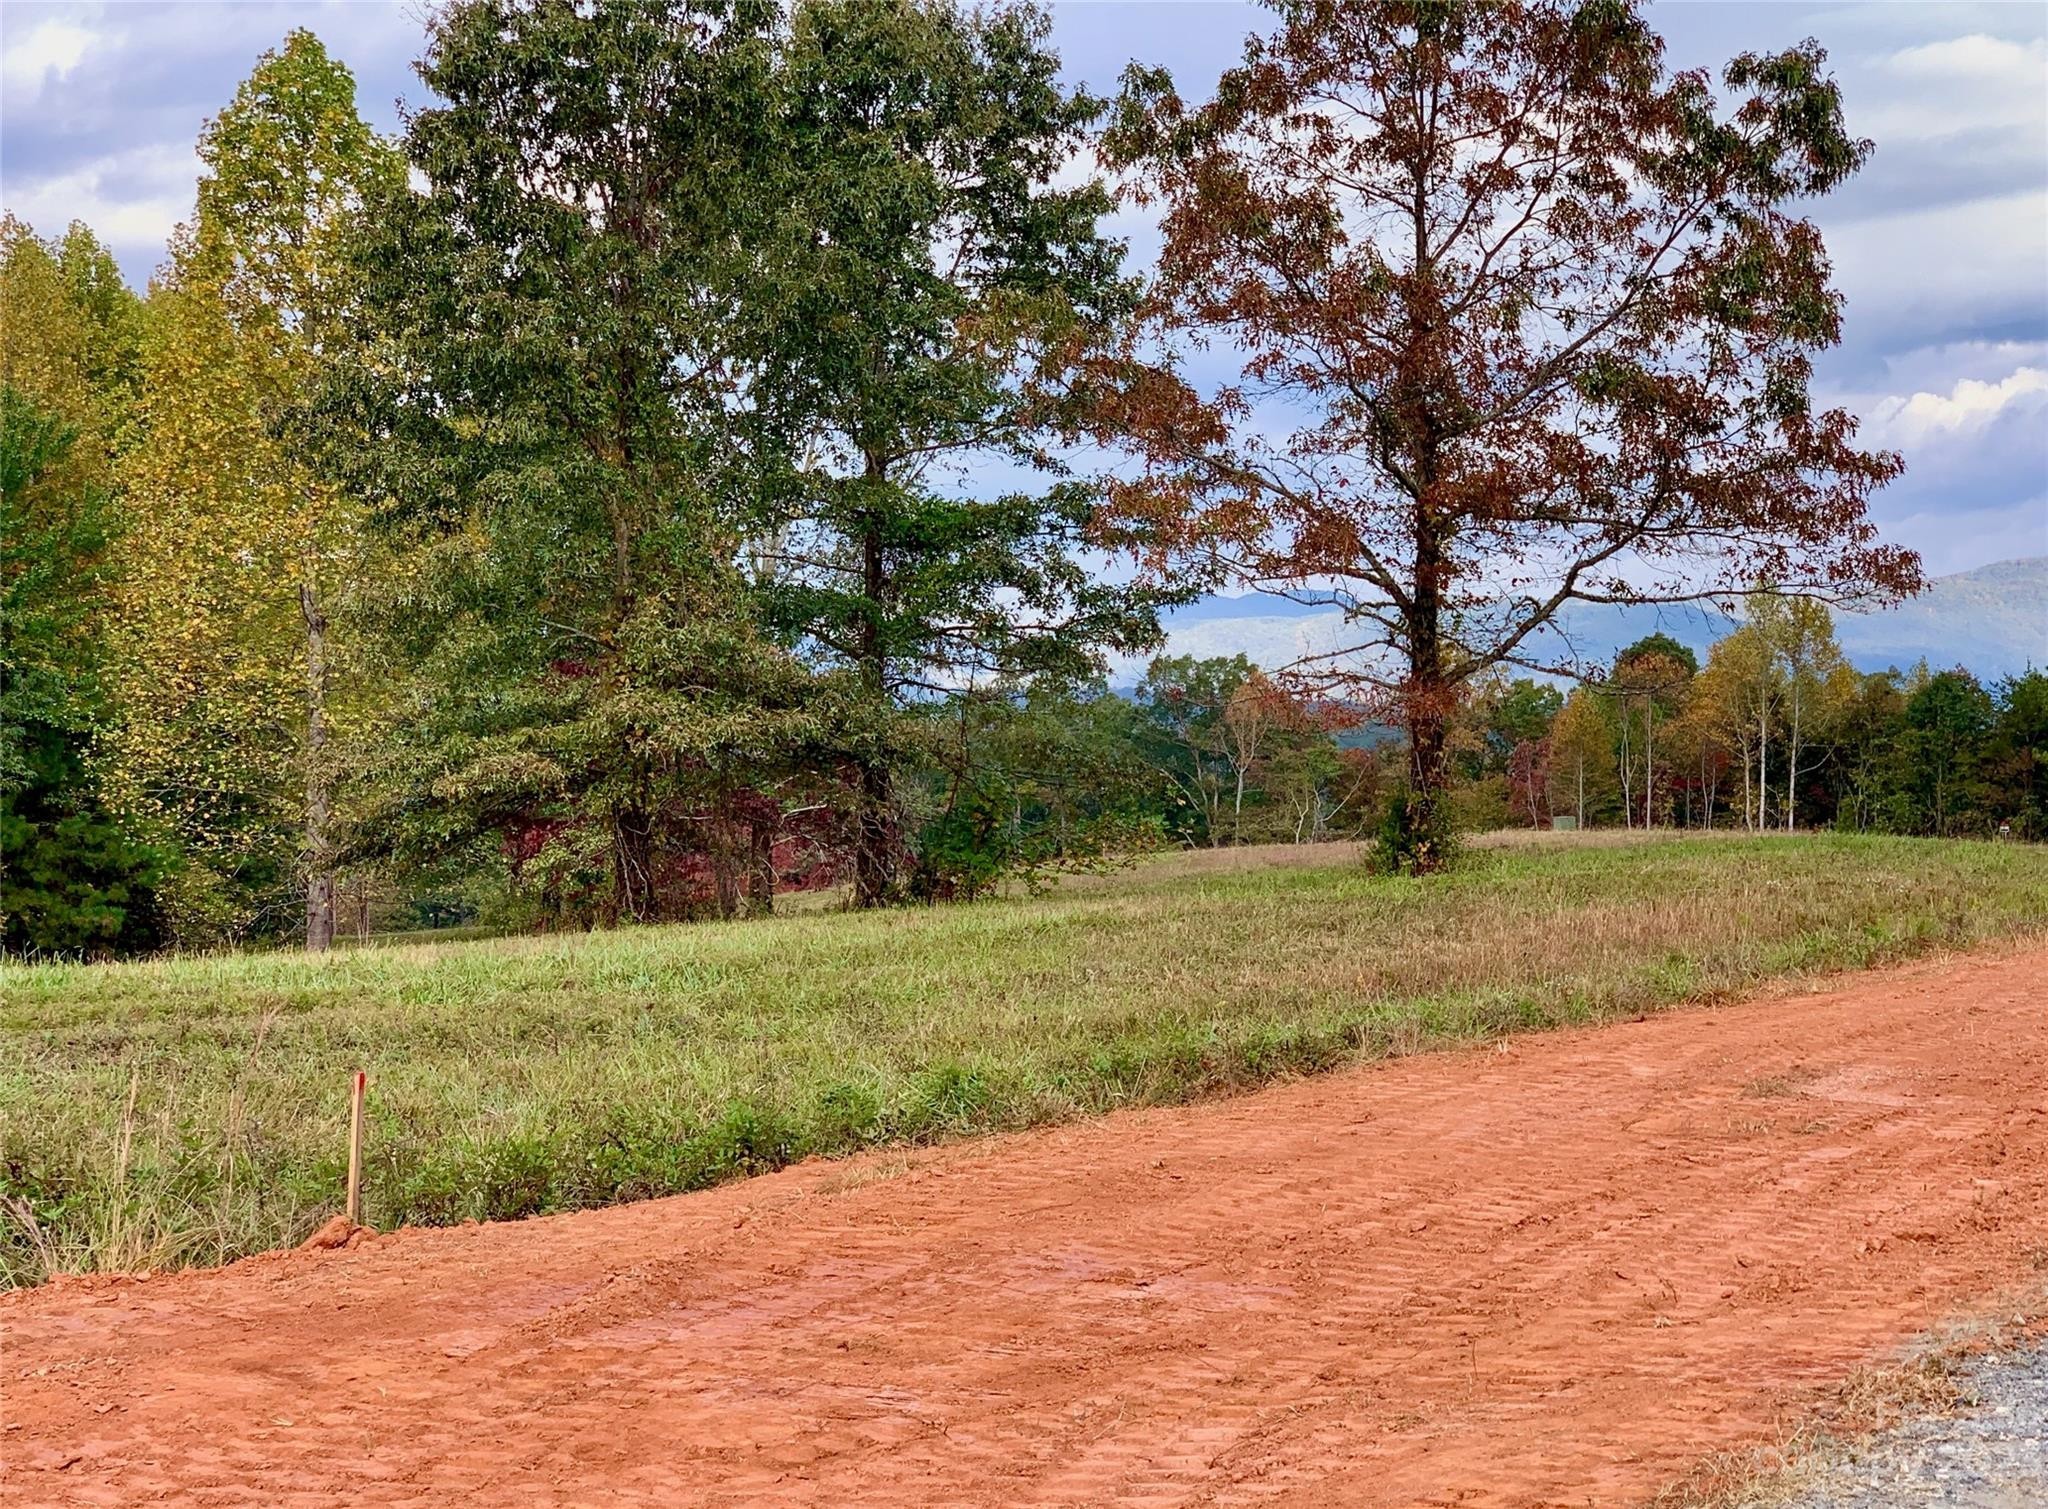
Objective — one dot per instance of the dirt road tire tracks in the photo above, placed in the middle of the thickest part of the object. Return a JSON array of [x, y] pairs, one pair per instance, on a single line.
[[1554, 1271]]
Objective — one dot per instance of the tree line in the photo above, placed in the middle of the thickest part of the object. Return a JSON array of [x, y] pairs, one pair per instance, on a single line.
[[719, 446], [1777, 731]]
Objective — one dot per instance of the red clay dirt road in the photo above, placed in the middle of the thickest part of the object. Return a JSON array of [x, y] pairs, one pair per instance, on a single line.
[[1555, 1273]]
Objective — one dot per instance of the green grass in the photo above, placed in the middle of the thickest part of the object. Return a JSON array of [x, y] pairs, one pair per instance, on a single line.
[[514, 1076]]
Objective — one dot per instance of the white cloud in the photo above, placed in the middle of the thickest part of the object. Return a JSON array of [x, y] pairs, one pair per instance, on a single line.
[[1968, 408], [45, 53], [1273, 642], [1974, 81], [1974, 59], [133, 198], [1913, 278], [1956, 537], [1932, 368]]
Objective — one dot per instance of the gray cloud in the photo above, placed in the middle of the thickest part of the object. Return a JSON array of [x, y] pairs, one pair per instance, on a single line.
[[1940, 246], [104, 102]]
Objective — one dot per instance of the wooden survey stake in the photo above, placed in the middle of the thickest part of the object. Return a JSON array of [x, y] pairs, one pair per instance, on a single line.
[[355, 1148]]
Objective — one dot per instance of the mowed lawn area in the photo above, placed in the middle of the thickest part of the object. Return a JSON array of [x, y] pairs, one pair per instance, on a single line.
[[191, 1111]]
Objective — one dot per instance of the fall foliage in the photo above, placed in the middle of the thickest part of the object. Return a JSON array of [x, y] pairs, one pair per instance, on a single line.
[[724, 448], [1523, 318]]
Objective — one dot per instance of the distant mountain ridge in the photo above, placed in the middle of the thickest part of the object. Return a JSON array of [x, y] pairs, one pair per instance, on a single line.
[[1993, 621]]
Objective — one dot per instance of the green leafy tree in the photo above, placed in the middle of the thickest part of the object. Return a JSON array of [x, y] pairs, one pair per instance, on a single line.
[[1581, 763], [1819, 686], [1865, 743], [558, 430], [1521, 713], [1649, 684], [1946, 720], [74, 875], [289, 164], [1738, 699], [1184, 702], [935, 266], [230, 682], [73, 879], [1324, 790], [2017, 760], [70, 340], [205, 664], [1044, 780]]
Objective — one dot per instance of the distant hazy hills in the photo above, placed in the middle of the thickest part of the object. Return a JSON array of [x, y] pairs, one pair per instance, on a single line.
[[1994, 620]]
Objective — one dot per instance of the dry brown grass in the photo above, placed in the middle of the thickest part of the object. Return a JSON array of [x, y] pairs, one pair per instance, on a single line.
[[1925, 1383], [1251, 859], [544, 1073]]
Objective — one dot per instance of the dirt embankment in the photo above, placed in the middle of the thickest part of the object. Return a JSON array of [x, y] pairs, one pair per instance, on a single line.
[[1552, 1273]]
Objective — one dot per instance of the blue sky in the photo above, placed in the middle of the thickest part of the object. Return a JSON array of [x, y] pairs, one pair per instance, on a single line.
[[1941, 245]]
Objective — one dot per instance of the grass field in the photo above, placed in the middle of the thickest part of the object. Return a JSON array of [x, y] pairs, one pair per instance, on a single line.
[[191, 1111]]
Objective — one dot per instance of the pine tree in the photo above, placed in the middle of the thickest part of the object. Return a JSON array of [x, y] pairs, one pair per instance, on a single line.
[[932, 273]]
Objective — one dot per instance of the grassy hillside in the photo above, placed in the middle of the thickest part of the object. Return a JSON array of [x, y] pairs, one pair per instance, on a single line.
[[192, 1111]]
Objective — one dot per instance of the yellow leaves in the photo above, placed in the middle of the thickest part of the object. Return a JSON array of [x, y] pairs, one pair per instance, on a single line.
[[209, 651], [53, 351], [289, 162]]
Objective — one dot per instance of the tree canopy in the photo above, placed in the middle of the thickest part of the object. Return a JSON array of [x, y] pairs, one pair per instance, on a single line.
[[935, 268], [1525, 318], [725, 446]]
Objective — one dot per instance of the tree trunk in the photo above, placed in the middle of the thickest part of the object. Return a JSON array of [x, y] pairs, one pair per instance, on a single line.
[[1429, 689], [1763, 769], [1792, 764], [1649, 760], [1748, 769], [1627, 771], [876, 844], [727, 865], [319, 795], [632, 865], [761, 870], [1428, 740], [725, 884]]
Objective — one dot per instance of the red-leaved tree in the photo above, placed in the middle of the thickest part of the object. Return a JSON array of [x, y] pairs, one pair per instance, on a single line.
[[1509, 316]]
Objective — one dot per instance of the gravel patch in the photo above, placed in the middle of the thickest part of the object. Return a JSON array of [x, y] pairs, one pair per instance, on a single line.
[[1992, 1454]]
